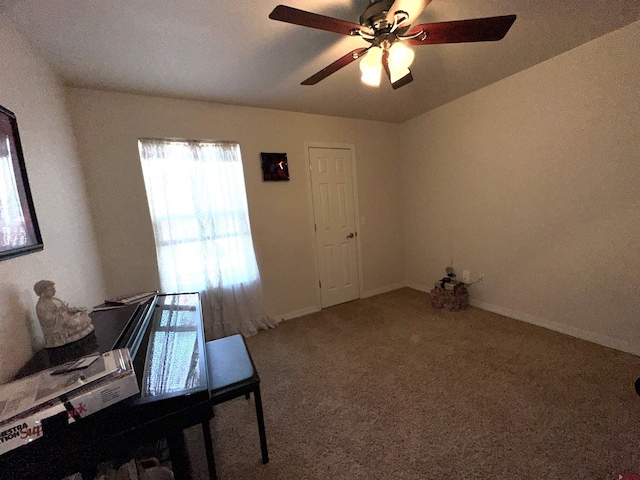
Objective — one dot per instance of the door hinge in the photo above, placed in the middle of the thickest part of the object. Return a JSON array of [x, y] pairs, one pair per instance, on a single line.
[[315, 227], [320, 283]]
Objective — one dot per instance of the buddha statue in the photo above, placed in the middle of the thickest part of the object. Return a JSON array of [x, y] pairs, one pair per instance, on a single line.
[[61, 324]]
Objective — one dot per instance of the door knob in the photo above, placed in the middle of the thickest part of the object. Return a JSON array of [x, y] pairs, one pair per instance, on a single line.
[[351, 235]]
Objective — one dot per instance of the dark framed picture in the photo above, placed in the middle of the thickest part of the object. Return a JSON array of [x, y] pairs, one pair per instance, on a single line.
[[274, 167], [19, 231]]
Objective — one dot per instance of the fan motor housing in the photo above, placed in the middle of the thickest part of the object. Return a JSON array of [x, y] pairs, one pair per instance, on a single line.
[[375, 15]]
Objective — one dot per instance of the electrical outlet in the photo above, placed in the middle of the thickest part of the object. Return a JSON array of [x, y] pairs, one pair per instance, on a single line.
[[481, 277], [466, 276]]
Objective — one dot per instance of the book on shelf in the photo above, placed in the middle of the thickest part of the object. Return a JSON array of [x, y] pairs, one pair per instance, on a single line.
[[62, 395], [130, 298]]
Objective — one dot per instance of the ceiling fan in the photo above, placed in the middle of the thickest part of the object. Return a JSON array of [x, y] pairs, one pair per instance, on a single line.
[[386, 25]]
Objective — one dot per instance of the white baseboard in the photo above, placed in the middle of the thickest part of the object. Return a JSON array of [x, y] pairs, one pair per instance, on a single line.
[[381, 290], [622, 345], [422, 288], [590, 336], [314, 309], [299, 313]]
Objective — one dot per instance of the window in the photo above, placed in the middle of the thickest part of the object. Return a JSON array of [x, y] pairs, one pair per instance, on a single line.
[[198, 207]]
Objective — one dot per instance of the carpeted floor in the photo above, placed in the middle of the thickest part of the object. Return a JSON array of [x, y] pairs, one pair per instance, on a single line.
[[388, 388]]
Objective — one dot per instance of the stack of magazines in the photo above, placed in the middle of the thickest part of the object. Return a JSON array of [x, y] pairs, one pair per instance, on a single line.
[[80, 388]]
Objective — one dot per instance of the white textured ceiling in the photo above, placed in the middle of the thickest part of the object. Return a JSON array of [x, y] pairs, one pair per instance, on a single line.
[[229, 51]]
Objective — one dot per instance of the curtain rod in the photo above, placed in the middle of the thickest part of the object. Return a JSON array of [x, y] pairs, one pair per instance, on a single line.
[[186, 140]]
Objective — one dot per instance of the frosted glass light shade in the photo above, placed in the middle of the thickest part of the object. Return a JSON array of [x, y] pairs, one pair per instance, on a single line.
[[401, 55], [400, 58], [372, 76], [371, 67]]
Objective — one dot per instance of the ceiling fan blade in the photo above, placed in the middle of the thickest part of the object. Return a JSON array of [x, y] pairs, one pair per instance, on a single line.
[[413, 7], [283, 13], [335, 66], [487, 29], [408, 78]]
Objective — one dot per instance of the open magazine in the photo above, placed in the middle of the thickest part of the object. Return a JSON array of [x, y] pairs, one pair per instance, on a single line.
[[81, 388]]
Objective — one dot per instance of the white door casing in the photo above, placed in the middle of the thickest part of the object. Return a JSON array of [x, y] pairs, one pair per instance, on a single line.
[[335, 224]]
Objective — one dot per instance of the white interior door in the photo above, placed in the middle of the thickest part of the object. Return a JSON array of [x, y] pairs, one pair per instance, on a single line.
[[334, 213]]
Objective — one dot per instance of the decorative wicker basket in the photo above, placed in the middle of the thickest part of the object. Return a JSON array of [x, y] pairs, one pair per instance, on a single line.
[[450, 300]]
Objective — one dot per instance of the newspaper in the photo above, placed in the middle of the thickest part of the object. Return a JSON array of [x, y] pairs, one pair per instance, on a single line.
[[80, 388], [29, 392]]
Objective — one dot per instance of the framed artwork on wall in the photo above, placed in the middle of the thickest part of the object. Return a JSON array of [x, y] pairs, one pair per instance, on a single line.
[[19, 231], [274, 167]]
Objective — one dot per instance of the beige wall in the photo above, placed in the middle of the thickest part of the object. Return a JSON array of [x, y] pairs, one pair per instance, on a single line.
[[108, 126], [535, 181], [30, 90], [532, 181]]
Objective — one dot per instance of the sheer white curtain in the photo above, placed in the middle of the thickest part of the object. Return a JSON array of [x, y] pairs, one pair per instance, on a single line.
[[198, 206]]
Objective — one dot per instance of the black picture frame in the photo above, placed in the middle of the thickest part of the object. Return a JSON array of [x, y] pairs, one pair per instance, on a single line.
[[274, 167], [19, 230]]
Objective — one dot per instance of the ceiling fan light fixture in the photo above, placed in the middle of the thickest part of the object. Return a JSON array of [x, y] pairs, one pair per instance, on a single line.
[[400, 56], [400, 59], [371, 67], [386, 25], [371, 76]]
